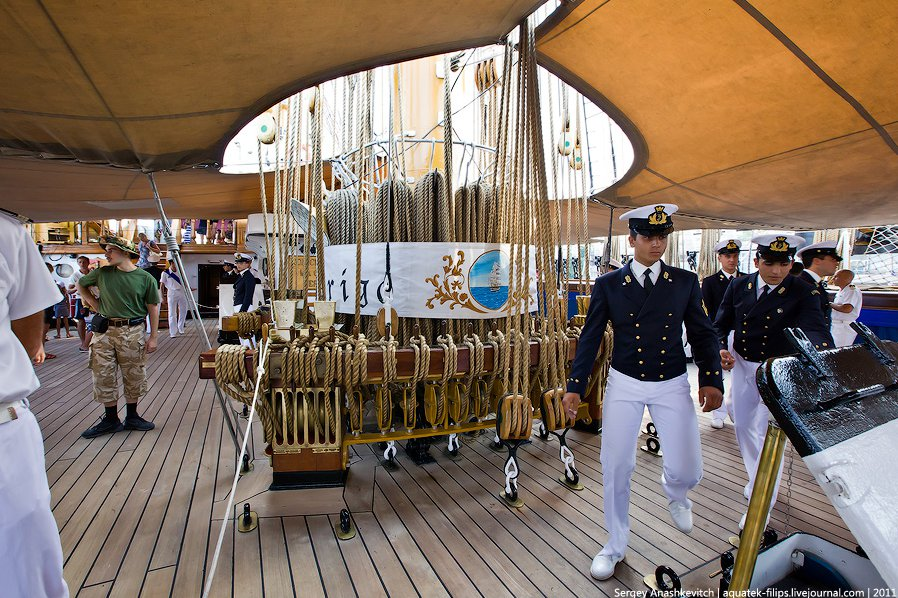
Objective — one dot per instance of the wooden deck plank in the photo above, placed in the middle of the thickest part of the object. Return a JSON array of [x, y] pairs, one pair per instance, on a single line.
[[389, 566], [366, 578], [466, 530], [304, 565], [148, 464], [185, 536], [140, 550], [139, 513], [451, 574], [247, 561], [223, 576], [101, 590], [334, 573], [276, 576], [158, 584], [418, 567], [479, 507]]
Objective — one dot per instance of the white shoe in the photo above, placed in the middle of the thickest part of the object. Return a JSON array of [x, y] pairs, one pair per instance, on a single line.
[[603, 566], [681, 515], [716, 423]]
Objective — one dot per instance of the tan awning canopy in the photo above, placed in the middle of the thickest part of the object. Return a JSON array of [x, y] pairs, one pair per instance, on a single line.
[[59, 190], [165, 85], [776, 113], [772, 113], [153, 86]]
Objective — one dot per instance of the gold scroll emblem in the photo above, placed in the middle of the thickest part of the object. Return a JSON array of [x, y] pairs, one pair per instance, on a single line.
[[658, 217], [780, 244]]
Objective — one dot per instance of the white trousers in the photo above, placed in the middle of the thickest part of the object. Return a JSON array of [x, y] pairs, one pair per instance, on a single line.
[[177, 313], [726, 408], [843, 333], [670, 405], [30, 551], [751, 417]]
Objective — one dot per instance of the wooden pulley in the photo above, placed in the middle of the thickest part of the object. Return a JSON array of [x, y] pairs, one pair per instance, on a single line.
[[478, 77], [453, 400], [383, 408], [514, 417], [312, 104], [565, 138], [387, 315], [576, 157], [355, 401], [492, 74], [553, 410], [479, 398], [431, 413], [267, 129]]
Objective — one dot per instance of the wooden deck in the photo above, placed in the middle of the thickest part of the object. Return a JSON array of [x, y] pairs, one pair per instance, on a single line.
[[139, 513]]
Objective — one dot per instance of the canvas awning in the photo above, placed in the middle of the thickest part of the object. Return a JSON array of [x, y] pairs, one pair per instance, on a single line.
[[153, 86], [774, 112]]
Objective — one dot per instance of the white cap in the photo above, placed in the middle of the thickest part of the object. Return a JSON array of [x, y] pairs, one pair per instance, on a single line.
[[778, 244], [613, 263], [731, 245], [243, 257], [823, 247], [646, 211]]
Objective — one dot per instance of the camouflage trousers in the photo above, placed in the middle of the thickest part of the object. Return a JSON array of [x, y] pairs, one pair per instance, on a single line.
[[119, 348]]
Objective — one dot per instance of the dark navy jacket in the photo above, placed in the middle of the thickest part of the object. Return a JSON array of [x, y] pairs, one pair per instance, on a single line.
[[648, 329], [759, 324], [244, 289], [713, 288], [825, 307]]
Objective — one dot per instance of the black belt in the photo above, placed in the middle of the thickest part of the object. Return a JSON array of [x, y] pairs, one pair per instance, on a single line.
[[119, 322]]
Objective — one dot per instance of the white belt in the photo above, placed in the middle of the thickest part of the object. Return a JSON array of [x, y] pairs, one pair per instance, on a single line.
[[10, 411]]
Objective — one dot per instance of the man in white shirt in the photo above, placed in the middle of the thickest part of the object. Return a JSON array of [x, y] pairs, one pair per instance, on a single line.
[[846, 307], [30, 551], [177, 299], [81, 310]]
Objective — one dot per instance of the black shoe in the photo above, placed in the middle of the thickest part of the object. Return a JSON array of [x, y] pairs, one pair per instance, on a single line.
[[135, 422], [106, 426]]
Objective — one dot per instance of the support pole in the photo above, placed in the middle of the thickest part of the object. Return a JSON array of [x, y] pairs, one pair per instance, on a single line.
[[607, 257], [761, 497], [175, 252]]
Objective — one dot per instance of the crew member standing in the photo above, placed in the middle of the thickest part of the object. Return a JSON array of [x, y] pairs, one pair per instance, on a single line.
[[647, 303], [846, 307], [176, 297], [30, 551], [713, 288], [757, 308], [244, 289], [128, 294], [820, 260], [245, 285]]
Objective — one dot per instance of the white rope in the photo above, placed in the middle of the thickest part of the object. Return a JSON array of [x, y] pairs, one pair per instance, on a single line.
[[260, 371]]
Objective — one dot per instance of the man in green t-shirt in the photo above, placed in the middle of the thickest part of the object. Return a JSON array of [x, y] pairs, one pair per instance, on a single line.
[[127, 295]]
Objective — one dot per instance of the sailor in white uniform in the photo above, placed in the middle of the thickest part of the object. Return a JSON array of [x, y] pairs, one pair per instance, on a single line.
[[30, 551], [177, 299], [846, 308], [756, 308], [713, 289], [647, 303]]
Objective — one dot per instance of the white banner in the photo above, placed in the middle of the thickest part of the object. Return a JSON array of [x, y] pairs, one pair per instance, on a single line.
[[430, 280]]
